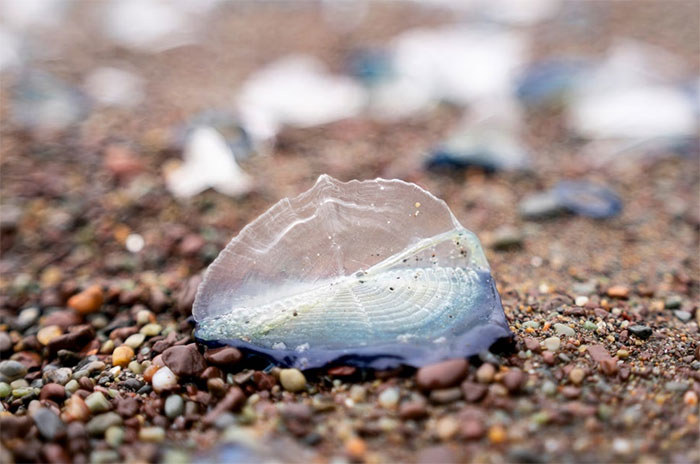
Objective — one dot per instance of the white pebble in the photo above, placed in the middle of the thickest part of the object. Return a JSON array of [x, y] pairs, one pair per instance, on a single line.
[[389, 398], [164, 379], [552, 344], [563, 329], [134, 243], [581, 300]]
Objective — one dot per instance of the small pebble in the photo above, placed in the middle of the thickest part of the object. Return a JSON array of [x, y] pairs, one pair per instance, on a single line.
[[122, 355], [581, 300], [618, 291], [576, 375], [72, 386], [107, 347], [5, 390], [11, 370], [389, 398], [497, 434], [552, 344], [98, 425], [292, 380], [640, 331], [514, 380], [358, 393], [589, 325], [683, 316], [135, 340], [135, 367], [356, 448], [50, 426], [152, 434], [114, 436], [485, 373], [442, 375], [563, 329], [690, 398], [164, 379], [174, 406], [97, 403], [76, 409], [151, 330], [144, 317], [446, 428], [88, 301], [48, 333]]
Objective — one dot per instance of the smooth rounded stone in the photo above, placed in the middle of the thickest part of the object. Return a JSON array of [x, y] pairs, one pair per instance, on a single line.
[[673, 302], [50, 426], [54, 392], [184, 360], [107, 347], [514, 380], [11, 370], [5, 390], [135, 367], [576, 375], [446, 395], [358, 393], [412, 410], [22, 392], [60, 376], [676, 387], [581, 300], [135, 340], [552, 344], [442, 375], [104, 457], [76, 409], [27, 317], [5, 342], [563, 329], [164, 379], [216, 386], [683, 316], [152, 434], [539, 206], [88, 301], [122, 355], [114, 436], [640, 331], [174, 406], [46, 334], [224, 357], [506, 237], [99, 424], [549, 388], [446, 428], [389, 398], [72, 386], [587, 199], [473, 391], [531, 325], [151, 330], [485, 373], [97, 403], [144, 317], [19, 383], [589, 325], [292, 380]]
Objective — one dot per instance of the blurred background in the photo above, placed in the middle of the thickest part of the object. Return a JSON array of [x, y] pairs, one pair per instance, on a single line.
[[139, 136]]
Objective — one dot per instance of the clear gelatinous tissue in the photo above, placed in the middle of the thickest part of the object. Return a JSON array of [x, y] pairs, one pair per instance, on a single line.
[[373, 273]]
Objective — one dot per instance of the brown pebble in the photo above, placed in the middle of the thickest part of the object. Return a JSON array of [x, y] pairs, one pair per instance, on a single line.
[[212, 372], [54, 453], [127, 407], [233, 401], [15, 426], [472, 429], [74, 340], [473, 391], [412, 410], [88, 301], [123, 332], [48, 333], [445, 395], [514, 380], [297, 418], [184, 360], [86, 383], [223, 357], [485, 373], [122, 355], [54, 392], [571, 392], [342, 371], [217, 386], [442, 375], [548, 358], [618, 291], [263, 381], [532, 344]]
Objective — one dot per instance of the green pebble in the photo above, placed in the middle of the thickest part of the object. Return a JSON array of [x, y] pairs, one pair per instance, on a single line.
[[97, 403], [114, 436], [104, 457], [72, 386], [5, 390], [540, 418], [151, 330], [588, 325], [20, 392], [531, 325], [174, 406], [135, 367], [152, 434]]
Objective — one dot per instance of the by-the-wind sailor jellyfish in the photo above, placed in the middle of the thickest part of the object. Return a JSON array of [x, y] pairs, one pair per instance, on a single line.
[[373, 273]]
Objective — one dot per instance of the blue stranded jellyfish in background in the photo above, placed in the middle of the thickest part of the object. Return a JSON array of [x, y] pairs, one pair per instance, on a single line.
[[374, 274]]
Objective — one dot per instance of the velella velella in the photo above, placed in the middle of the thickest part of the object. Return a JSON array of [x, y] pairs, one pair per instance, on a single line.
[[375, 273]]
